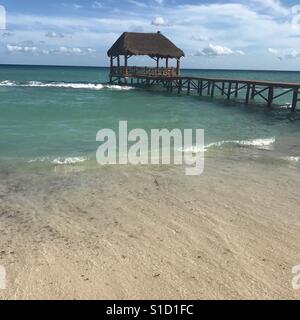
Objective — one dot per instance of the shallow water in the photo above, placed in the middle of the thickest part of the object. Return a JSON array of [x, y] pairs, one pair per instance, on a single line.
[[52, 114]]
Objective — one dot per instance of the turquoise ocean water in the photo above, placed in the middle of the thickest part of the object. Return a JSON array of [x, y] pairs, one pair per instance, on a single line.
[[52, 114]]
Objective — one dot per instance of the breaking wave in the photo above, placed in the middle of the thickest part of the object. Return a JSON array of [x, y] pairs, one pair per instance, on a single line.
[[292, 159], [266, 144], [66, 85], [60, 161]]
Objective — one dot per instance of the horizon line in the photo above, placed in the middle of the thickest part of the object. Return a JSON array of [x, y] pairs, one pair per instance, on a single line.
[[107, 67]]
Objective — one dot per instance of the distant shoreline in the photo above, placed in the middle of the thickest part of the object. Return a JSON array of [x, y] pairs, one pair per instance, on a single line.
[[106, 67]]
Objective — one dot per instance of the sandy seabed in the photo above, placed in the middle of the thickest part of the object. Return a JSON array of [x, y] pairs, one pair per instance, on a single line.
[[152, 232]]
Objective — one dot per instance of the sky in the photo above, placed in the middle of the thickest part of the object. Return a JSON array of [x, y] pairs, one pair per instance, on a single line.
[[235, 34]]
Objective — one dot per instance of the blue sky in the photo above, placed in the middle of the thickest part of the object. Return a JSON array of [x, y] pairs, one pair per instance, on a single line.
[[253, 34]]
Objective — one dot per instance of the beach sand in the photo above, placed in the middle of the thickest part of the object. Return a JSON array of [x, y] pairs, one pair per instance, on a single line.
[[152, 232]]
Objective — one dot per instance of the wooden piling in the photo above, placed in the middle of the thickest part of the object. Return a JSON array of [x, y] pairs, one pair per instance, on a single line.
[[248, 93], [179, 85], [208, 88], [223, 88], [212, 89], [236, 90], [201, 88], [253, 92], [295, 99], [229, 90], [198, 86], [270, 96]]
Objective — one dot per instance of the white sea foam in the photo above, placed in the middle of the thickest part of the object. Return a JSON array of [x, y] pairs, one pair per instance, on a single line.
[[292, 159], [287, 105], [8, 83], [255, 143], [117, 87], [66, 85], [60, 161], [70, 160], [39, 159]]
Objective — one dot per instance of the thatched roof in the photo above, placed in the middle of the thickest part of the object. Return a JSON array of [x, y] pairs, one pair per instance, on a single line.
[[142, 44]]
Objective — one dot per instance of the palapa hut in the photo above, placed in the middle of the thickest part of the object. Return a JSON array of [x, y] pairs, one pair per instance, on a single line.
[[154, 45]]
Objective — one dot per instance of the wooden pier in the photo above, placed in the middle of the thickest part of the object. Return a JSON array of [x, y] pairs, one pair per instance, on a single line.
[[268, 91], [158, 47]]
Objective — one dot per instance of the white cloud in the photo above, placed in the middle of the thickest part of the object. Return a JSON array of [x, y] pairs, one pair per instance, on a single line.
[[240, 52], [11, 48], [272, 51], [138, 3], [160, 2], [73, 51], [293, 54], [217, 50], [52, 34], [284, 53], [8, 34], [91, 50], [200, 38], [136, 28], [272, 7], [159, 22], [45, 52], [97, 5], [26, 43], [77, 6], [20, 48]]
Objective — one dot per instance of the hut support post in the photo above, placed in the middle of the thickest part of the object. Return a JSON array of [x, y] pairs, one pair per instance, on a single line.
[[111, 68], [167, 62], [126, 65], [178, 67], [111, 63], [118, 64]]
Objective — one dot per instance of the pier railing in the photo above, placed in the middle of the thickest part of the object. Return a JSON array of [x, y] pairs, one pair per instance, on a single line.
[[144, 71]]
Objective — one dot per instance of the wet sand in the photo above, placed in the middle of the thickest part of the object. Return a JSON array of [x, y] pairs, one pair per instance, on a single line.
[[152, 233]]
